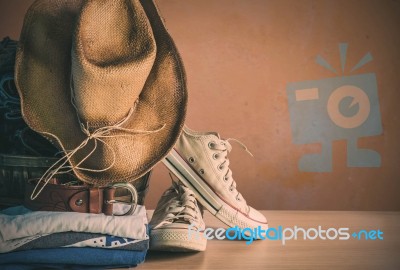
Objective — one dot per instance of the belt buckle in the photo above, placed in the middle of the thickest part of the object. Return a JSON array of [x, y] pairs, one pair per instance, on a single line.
[[132, 202]]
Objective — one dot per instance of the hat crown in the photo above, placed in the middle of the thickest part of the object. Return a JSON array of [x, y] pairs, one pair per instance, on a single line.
[[112, 55]]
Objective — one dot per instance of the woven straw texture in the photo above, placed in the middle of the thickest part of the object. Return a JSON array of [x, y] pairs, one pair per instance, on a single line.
[[86, 65]]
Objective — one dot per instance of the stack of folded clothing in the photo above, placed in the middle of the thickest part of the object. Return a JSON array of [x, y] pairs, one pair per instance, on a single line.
[[46, 238]]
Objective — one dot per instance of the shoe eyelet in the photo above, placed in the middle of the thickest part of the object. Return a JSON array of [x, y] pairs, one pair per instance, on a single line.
[[191, 160], [226, 178], [215, 156], [230, 188], [211, 144], [201, 171], [79, 202], [238, 199]]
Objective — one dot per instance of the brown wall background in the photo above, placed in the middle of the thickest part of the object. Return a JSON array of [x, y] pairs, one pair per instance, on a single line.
[[239, 56]]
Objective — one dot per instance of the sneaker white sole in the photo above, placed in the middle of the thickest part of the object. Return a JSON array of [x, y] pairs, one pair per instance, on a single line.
[[206, 196], [176, 240]]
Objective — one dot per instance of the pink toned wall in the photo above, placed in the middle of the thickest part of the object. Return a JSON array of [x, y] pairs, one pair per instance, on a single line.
[[240, 58]]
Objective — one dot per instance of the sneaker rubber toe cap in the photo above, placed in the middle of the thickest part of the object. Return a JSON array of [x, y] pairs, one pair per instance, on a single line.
[[257, 216]]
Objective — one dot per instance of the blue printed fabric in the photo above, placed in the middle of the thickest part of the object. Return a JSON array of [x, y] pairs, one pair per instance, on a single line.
[[80, 239]]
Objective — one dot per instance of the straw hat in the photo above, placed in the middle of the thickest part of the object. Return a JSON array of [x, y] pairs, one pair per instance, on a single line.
[[103, 81]]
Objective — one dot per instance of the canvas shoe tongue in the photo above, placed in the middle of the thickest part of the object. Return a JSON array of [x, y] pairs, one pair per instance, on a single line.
[[173, 218], [215, 134]]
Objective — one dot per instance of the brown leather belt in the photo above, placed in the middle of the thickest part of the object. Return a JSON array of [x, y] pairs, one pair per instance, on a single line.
[[66, 196]]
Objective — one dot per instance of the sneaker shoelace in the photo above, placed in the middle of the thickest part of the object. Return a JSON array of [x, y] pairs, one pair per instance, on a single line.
[[223, 148], [183, 208]]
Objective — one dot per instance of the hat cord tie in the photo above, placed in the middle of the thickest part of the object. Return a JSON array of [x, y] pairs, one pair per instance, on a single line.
[[61, 166]]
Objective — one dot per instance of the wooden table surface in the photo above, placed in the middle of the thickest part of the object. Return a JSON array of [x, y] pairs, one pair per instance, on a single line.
[[296, 254]]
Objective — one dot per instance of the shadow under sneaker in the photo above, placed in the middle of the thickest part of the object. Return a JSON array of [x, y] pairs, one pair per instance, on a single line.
[[200, 161], [176, 211]]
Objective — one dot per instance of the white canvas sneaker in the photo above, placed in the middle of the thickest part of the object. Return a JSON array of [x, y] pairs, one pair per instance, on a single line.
[[176, 211], [200, 162]]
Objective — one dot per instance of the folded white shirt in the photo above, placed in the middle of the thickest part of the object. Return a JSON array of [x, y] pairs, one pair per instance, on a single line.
[[18, 222]]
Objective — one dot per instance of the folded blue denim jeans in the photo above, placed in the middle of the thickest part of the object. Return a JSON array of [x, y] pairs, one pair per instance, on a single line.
[[75, 256]]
